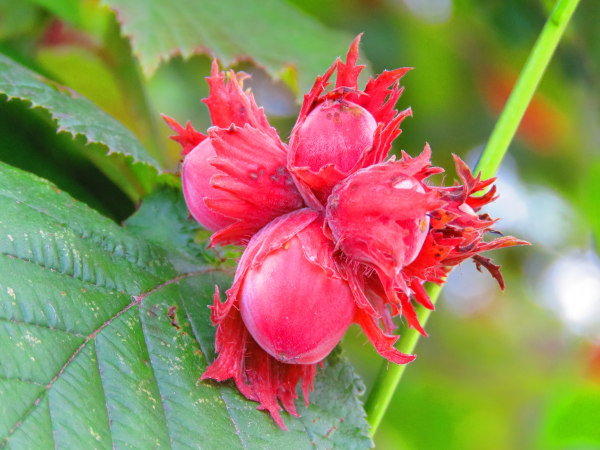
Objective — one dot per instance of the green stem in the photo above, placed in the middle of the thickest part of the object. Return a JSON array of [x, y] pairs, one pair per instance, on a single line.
[[530, 76], [500, 139], [388, 378]]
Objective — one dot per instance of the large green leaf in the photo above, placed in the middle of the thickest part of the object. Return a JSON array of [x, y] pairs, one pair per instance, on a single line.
[[272, 33], [73, 113], [104, 333], [28, 140]]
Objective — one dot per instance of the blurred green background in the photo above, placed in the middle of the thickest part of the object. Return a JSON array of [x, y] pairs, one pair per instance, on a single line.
[[500, 370]]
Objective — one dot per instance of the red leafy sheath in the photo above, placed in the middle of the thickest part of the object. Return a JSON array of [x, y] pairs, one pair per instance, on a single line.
[[378, 99], [373, 216], [335, 233], [258, 375], [254, 173], [253, 181], [187, 137]]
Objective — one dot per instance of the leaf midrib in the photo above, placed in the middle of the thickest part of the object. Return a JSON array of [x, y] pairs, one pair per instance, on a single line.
[[136, 301]]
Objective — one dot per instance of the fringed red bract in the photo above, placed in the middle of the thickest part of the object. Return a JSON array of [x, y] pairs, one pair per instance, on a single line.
[[334, 232]]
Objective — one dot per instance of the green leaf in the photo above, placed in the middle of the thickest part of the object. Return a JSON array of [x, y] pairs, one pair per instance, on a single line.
[[272, 33], [28, 140], [72, 112], [104, 334], [176, 231]]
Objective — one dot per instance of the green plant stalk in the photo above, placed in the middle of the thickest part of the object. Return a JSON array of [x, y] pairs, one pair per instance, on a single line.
[[389, 375], [500, 139], [522, 93]]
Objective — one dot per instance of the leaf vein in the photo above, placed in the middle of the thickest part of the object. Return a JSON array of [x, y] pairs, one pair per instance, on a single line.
[[227, 406], [41, 266], [104, 243], [162, 399], [23, 380], [39, 325], [26, 414], [137, 299]]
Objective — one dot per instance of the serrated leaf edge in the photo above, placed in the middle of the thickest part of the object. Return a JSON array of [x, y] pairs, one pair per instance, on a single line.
[[153, 163]]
